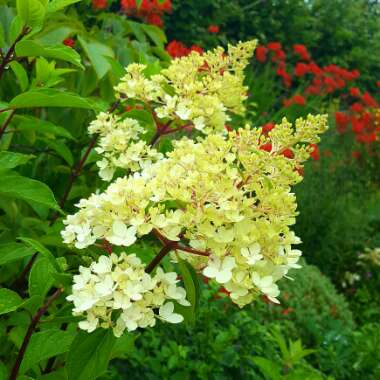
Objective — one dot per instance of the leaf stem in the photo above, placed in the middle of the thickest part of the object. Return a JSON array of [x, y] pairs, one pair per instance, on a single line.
[[9, 56], [36, 318], [6, 123]]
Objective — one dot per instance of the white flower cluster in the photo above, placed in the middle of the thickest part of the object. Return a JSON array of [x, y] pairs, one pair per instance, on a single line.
[[231, 198], [120, 145], [200, 89], [115, 292]]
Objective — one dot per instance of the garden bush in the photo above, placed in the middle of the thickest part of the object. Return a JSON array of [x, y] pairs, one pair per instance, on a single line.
[[148, 213]]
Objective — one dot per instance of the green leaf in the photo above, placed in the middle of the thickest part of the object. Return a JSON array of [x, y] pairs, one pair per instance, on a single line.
[[61, 149], [46, 344], [40, 278], [9, 301], [89, 354], [56, 5], [27, 189], [10, 160], [29, 48], [21, 75], [37, 246], [14, 251], [190, 281], [97, 53], [155, 34], [270, 369], [124, 345], [30, 123], [31, 12], [51, 98]]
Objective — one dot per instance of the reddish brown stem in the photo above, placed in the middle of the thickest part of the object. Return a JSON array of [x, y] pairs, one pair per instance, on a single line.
[[181, 247], [36, 318], [6, 123], [164, 251], [8, 57]]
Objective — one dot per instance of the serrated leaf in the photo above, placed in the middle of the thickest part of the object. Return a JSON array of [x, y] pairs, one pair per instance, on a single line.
[[9, 301], [89, 354], [46, 344], [56, 5], [37, 246], [10, 160], [21, 75], [14, 251], [41, 278], [27, 189], [48, 97]]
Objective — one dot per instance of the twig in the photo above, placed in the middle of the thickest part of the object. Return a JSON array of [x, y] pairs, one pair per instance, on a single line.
[[40, 312], [8, 57], [6, 123], [164, 251]]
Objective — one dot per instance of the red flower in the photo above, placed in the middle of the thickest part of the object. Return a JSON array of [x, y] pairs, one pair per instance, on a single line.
[[128, 5], [314, 154], [177, 49], [99, 4], [357, 107], [213, 29], [274, 46], [267, 147], [369, 100], [378, 83], [165, 6], [357, 125], [69, 42], [366, 138], [315, 69], [342, 120], [301, 51], [296, 99], [356, 154], [279, 55], [354, 91], [267, 127], [196, 48], [301, 69], [261, 53], [154, 19], [288, 153]]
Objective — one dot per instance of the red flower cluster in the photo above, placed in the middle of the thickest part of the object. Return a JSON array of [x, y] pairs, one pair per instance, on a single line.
[[99, 4], [362, 117], [177, 49], [151, 11], [296, 99]]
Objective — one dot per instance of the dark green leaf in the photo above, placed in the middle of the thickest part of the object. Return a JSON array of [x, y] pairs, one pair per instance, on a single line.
[[46, 344], [31, 12], [41, 278], [21, 75], [10, 160], [9, 301], [61, 149], [89, 354], [14, 251], [97, 53], [30, 123], [27, 189], [56, 5], [51, 98], [37, 246], [28, 48]]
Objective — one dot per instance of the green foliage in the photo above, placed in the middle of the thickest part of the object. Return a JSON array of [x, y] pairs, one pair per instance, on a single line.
[[344, 32]]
